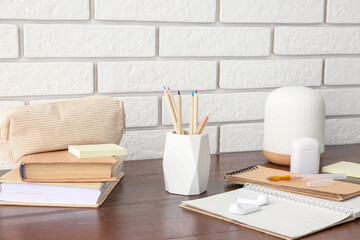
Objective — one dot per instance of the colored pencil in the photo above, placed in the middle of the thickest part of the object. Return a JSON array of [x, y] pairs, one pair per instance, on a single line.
[[178, 114], [172, 101], [171, 110], [202, 124], [191, 122], [196, 105]]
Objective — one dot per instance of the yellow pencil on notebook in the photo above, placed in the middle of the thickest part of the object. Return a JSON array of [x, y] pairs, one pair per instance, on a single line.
[[191, 122], [178, 114], [171, 110]]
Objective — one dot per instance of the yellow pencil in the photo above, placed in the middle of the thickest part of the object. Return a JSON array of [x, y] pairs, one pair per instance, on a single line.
[[191, 123], [171, 110], [196, 105], [178, 114]]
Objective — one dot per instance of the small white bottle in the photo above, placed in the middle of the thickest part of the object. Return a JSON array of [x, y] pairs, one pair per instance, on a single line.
[[305, 156]]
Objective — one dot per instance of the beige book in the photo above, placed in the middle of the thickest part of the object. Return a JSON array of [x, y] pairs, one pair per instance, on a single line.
[[61, 166]]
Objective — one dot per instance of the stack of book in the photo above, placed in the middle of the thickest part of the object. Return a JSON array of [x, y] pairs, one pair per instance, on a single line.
[[82, 176]]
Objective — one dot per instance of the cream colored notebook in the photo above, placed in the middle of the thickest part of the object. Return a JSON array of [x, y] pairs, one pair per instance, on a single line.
[[258, 174], [287, 215], [16, 192]]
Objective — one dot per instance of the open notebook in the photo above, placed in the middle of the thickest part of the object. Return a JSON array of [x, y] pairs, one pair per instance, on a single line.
[[287, 215], [258, 174]]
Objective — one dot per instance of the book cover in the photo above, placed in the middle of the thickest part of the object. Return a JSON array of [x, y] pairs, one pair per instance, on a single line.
[[61, 166]]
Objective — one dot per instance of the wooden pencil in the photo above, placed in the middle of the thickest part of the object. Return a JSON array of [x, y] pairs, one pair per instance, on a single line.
[[191, 122], [203, 123], [172, 101], [196, 105], [178, 114], [171, 110]]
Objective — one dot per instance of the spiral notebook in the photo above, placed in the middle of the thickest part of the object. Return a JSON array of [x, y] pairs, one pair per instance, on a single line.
[[258, 174], [287, 215]]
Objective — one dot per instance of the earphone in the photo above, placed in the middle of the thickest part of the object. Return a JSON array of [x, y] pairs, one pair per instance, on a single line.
[[244, 206], [260, 200], [236, 208]]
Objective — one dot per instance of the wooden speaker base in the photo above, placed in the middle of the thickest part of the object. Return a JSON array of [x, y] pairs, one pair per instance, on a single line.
[[282, 159]]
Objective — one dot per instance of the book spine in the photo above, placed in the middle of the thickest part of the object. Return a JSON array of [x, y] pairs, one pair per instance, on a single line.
[[299, 198]]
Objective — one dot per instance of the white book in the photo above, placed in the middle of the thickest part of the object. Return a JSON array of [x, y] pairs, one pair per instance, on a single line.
[[287, 215]]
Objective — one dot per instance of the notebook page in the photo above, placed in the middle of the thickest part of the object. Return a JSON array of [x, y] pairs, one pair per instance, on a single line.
[[353, 203], [282, 216]]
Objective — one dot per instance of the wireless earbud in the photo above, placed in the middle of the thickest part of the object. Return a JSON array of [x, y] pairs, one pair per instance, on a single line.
[[243, 209], [260, 200]]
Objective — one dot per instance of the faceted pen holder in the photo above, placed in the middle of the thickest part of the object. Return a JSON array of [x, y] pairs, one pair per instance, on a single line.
[[186, 163]]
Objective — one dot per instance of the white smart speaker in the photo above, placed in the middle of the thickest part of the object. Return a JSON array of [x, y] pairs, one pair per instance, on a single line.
[[290, 113]]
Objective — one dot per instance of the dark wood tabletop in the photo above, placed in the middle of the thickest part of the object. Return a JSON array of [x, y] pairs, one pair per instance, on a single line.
[[140, 208]]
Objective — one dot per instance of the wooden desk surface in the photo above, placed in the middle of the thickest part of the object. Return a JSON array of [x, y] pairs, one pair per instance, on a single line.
[[140, 208]]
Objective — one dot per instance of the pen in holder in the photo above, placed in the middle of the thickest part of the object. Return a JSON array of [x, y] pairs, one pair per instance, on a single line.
[[186, 163]]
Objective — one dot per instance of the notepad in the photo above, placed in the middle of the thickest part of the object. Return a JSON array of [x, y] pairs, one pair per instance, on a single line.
[[287, 215], [258, 174], [97, 150], [349, 168]]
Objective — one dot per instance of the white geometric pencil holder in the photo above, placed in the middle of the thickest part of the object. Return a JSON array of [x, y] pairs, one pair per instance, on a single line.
[[186, 163]]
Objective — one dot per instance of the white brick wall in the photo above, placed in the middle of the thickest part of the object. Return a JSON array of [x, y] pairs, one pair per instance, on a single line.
[[152, 76], [235, 52], [268, 73], [241, 137], [21, 79], [342, 131], [45, 9], [274, 11], [316, 40], [214, 41], [156, 10], [9, 41], [341, 101], [343, 11], [342, 71], [141, 111], [63, 40]]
